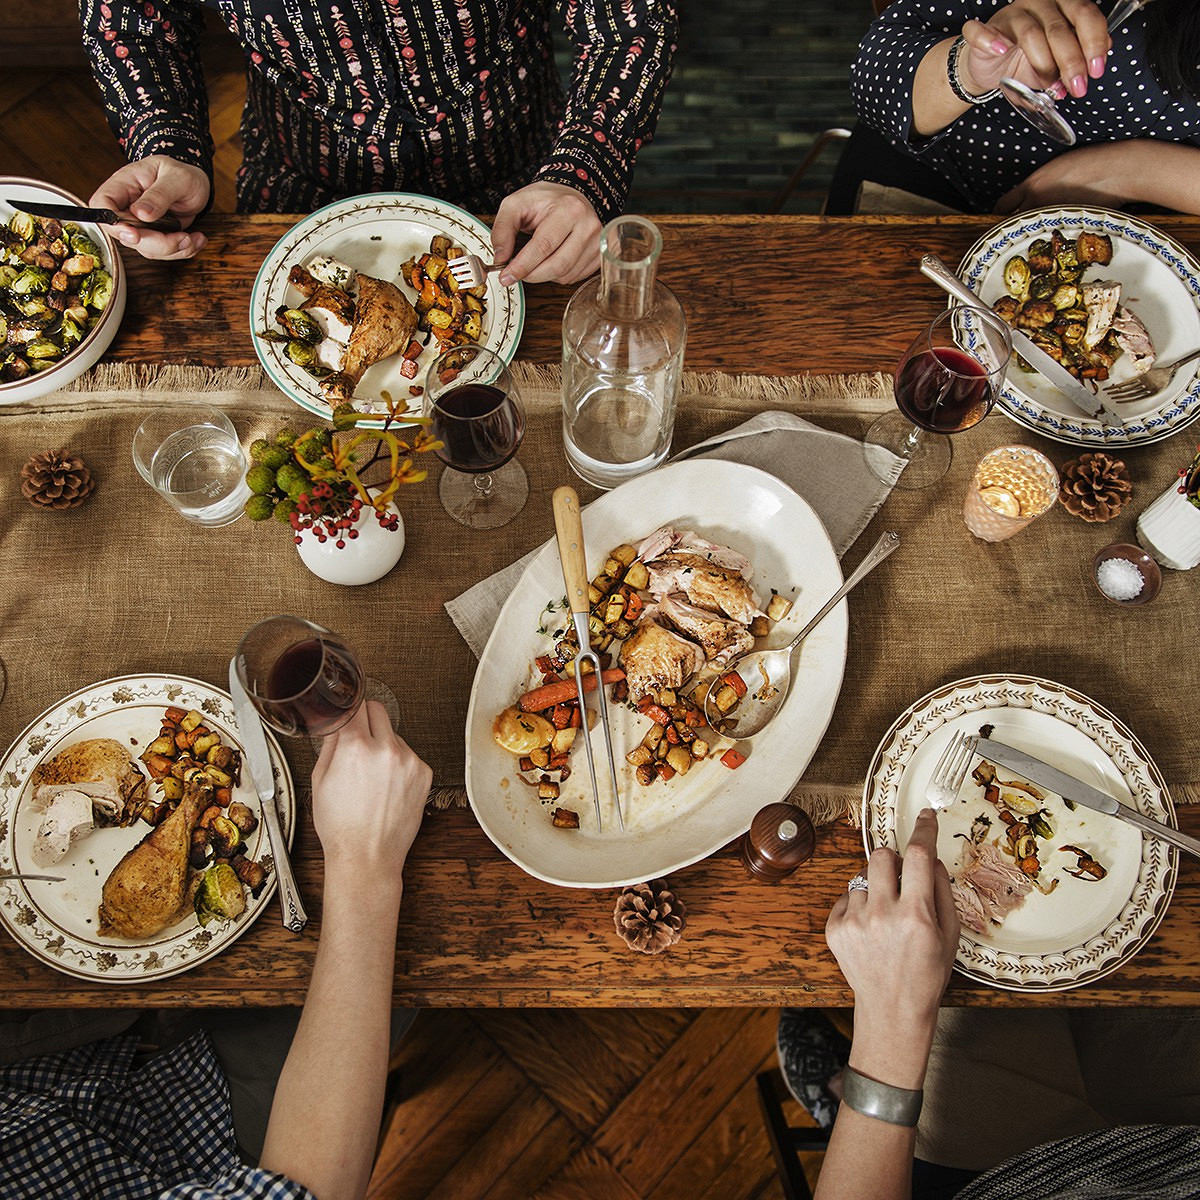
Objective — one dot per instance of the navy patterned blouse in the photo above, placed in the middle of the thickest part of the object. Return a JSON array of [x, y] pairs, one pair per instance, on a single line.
[[991, 147], [458, 99]]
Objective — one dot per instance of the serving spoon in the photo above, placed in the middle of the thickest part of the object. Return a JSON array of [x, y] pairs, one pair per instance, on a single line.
[[768, 673]]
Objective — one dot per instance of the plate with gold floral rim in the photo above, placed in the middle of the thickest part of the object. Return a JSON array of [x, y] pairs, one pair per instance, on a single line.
[[1085, 928], [375, 234], [57, 922]]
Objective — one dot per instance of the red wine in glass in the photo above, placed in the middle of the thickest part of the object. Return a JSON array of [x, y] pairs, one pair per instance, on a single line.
[[479, 425], [944, 390], [314, 686]]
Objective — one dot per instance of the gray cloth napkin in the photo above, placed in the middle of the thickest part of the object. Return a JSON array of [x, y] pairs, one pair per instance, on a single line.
[[827, 469]]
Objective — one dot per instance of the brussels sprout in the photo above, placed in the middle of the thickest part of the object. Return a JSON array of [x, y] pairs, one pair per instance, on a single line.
[[13, 367], [1016, 276], [273, 335], [70, 334], [22, 225], [31, 281], [3, 327], [303, 354], [1041, 259], [299, 325], [100, 290], [82, 244], [220, 894], [1066, 296], [78, 313], [225, 837], [42, 348], [7, 274]]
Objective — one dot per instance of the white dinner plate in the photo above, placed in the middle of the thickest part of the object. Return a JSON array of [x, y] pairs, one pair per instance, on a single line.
[[667, 825], [375, 234], [1084, 929], [1160, 283], [56, 922]]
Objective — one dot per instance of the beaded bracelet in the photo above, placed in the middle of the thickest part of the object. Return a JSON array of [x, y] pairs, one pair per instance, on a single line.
[[956, 84]]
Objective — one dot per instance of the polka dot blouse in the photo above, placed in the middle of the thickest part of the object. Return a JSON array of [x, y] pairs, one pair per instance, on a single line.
[[992, 148]]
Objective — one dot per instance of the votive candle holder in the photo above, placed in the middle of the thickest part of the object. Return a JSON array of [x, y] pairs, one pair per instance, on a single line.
[[1011, 486]]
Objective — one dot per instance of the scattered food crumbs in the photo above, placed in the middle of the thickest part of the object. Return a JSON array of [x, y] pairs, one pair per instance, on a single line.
[[1119, 579]]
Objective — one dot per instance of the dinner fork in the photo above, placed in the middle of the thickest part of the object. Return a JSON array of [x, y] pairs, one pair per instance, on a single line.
[[469, 270], [950, 771], [1149, 382]]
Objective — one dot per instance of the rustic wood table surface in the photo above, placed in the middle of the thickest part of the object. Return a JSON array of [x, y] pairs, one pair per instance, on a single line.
[[770, 296]]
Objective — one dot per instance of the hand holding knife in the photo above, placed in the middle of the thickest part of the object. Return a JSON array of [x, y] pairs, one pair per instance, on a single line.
[[257, 759], [1094, 405], [95, 216]]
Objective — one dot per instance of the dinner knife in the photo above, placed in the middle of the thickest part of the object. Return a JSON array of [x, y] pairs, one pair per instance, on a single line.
[[95, 216], [257, 759], [1070, 788], [1094, 405]]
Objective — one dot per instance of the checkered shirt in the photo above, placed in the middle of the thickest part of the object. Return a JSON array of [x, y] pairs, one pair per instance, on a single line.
[[87, 1124]]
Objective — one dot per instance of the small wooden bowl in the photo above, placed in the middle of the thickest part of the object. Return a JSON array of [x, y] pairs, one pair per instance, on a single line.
[[1151, 572]]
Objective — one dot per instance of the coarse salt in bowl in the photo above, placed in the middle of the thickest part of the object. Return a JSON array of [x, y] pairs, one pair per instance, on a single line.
[[1126, 575], [100, 335]]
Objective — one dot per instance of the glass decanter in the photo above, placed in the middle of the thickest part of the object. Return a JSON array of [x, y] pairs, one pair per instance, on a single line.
[[623, 343]]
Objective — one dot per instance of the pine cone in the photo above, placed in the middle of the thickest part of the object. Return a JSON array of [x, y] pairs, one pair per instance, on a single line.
[[1095, 487], [56, 479], [649, 917]]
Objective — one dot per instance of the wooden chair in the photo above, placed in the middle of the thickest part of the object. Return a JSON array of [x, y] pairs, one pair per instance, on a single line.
[[788, 1141]]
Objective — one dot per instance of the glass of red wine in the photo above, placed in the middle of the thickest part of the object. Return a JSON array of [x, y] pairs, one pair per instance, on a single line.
[[947, 381], [475, 411], [301, 678]]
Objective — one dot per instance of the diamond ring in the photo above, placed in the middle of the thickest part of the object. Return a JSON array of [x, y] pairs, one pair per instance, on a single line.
[[857, 884]]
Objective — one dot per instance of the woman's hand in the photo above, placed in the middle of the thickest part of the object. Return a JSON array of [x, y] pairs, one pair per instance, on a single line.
[[1092, 175], [564, 242], [148, 189], [1064, 43], [369, 792], [895, 943]]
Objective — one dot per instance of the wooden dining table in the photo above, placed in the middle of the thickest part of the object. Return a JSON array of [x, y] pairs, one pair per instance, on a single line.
[[775, 297]]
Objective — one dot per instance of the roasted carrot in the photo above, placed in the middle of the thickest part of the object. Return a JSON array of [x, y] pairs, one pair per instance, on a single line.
[[733, 758], [735, 681], [551, 694]]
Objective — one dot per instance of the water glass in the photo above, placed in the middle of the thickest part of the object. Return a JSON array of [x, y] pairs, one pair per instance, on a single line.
[[1012, 485], [190, 454]]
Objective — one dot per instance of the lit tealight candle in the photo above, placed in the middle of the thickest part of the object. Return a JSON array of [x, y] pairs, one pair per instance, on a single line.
[[1001, 500]]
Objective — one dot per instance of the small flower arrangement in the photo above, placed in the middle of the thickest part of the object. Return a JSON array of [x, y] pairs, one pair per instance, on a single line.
[[322, 479], [1189, 481]]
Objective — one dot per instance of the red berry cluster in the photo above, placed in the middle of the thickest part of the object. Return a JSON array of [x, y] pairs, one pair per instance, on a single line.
[[312, 513]]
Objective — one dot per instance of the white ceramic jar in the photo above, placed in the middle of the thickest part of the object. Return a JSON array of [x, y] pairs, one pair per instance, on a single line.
[[1170, 530], [363, 559]]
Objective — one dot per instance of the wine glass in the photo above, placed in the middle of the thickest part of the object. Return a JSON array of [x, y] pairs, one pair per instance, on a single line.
[[947, 380], [1037, 105], [301, 678], [476, 413]]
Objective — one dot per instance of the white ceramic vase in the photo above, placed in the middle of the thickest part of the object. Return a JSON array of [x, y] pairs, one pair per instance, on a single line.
[[363, 559], [1170, 530]]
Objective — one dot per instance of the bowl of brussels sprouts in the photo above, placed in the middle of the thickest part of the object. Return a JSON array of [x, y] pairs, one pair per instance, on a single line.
[[62, 293]]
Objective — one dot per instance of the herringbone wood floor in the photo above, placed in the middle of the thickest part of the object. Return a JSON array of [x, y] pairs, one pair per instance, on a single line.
[[509, 1105]]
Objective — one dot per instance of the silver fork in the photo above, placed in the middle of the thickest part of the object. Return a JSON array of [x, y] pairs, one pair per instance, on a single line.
[[1149, 382], [469, 270], [950, 771]]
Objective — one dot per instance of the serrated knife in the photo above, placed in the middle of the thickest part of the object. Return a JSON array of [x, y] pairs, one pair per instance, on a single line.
[[1070, 788], [94, 216], [1094, 405], [257, 758]]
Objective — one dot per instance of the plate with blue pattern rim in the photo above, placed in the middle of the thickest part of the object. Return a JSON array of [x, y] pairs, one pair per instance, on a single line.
[[1085, 929], [56, 922], [375, 234], [1160, 283]]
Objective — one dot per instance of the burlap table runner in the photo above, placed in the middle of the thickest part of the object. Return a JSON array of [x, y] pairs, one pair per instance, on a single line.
[[124, 585]]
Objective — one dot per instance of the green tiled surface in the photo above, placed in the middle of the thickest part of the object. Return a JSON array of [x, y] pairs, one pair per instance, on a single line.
[[755, 82]]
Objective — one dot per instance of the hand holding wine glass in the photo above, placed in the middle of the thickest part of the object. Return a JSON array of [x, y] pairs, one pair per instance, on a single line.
[[947, 380], [475, 411]]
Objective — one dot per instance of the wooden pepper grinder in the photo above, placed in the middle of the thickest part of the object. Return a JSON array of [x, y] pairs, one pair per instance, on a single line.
[[779, 839]]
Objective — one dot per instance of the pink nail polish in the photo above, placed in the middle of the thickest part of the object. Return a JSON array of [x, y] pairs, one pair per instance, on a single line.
[[1000, 46], [1096, 67], [1078, 85], [1057, 90]]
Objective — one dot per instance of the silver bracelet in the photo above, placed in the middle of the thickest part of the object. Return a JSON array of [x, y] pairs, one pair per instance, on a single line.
[[956, 84], [896, 1106]]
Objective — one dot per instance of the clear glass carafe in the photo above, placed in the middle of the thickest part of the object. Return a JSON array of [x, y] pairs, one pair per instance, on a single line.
[[623, 343]]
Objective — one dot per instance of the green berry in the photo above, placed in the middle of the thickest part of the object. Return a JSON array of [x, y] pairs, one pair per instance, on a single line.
[[285, 437], [261, 479], [259, 508], [288, 476], [258, 449], [284, 509], [274, 457]]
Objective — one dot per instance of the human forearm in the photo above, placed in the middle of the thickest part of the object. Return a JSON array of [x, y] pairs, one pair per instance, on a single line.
[[1163, 174], [934, 104], [325, 1118]]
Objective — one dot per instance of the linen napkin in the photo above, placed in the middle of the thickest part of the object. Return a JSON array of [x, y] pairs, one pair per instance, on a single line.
[[827, 469]]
